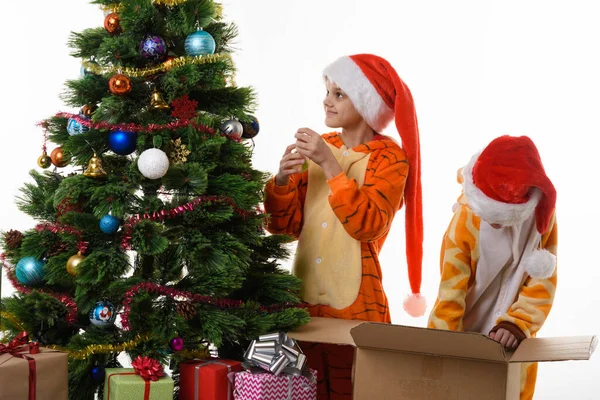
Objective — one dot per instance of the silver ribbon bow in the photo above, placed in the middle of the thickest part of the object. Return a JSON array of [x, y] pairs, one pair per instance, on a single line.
[[276, 353]]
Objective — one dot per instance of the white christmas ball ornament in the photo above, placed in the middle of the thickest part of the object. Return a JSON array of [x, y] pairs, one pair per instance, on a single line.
[[153, 163]]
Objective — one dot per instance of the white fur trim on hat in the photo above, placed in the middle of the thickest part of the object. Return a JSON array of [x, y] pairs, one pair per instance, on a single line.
[[369, 104], [493, 211], [539, 264]]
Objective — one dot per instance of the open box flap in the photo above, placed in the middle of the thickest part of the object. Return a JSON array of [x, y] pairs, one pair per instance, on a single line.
[[555, 349], [428, 341], [326, 330]]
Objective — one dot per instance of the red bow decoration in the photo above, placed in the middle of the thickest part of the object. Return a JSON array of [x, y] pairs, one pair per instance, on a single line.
[[148, 368], [15, 345]]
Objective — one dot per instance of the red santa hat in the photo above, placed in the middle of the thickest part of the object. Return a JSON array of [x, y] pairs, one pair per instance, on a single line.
[[380, 96], [506, 184]]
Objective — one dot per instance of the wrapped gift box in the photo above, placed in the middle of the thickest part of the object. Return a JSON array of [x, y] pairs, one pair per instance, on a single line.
[[207, 379], [51, 375], [267, 386], [125, 384]]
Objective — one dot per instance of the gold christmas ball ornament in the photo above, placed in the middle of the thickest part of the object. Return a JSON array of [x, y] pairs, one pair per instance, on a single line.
[[58, 157], [94, 169], [119, 84], [112, 23], [73, 262], [44, 161]]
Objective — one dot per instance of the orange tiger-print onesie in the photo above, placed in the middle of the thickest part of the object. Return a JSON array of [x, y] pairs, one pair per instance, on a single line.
[[460, 262], [365, 210]]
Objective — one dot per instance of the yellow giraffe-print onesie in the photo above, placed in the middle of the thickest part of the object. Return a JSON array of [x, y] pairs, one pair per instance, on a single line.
[[460, 262]]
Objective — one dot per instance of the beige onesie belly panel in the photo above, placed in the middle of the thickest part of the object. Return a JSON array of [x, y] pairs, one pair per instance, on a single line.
[[328, 259]]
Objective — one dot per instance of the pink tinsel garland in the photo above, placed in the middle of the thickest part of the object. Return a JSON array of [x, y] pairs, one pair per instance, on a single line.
[[57, 228], [172, 213], [191, 297], [131, 127]]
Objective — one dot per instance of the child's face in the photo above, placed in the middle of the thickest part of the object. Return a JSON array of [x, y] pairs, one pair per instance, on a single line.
[[339, 110]]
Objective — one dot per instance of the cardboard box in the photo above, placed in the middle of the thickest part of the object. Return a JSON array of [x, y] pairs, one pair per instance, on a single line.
[[403, 362], [51, 376]]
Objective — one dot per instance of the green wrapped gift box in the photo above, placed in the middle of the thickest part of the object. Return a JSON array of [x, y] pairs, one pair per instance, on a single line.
[[124, 384]]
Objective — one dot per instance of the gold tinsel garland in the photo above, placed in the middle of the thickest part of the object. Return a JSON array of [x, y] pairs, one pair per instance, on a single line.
[[170, 3], [117, 348], [4, 315], [100, 348], [164, 67]]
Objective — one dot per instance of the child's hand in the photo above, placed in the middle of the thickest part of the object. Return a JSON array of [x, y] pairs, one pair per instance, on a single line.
[[505, 338], [311, 145], [291, 163]]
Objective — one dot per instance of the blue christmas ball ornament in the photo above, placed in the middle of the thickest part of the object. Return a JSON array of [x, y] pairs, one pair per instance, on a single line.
[[30, 271], [75, 128], [251, 128], [199, 43], [109, 224], [122, 142], [98, 373], [103, 314]]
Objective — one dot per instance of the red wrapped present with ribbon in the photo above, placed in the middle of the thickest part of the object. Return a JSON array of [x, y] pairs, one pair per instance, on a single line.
[[207, 379], [146, 380], [31, 372]]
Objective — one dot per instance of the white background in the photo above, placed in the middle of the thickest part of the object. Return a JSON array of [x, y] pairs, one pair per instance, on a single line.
[[477, 69]]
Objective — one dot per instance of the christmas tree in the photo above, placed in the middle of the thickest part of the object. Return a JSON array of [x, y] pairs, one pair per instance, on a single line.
[[150, 238]]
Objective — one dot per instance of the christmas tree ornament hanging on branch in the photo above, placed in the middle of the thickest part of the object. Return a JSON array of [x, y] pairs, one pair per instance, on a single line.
[[157, 102], [44, 161], [153, 163], [199, 43], [73, 262], [30, 271], [112, 23], [153, 48], [232, 128], [75, 128], [103, 314], [178, 152], [88, 67], [88, 110], [122, 142], [109, 224], [250, 128], [94, 168], [58, 157], [119, 84]]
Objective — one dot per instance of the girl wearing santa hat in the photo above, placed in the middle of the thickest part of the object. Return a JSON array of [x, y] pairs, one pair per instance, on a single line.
[[498, 259], [342, 205]]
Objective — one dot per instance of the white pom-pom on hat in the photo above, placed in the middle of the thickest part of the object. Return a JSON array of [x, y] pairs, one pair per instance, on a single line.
[[415, 305], [539, 264]]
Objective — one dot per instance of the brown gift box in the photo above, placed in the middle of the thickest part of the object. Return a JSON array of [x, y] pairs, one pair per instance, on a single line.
[[51, 376]]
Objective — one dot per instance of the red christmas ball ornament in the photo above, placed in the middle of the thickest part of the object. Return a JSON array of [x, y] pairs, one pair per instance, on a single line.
[[176, 344], [112, 23], [119, 84]]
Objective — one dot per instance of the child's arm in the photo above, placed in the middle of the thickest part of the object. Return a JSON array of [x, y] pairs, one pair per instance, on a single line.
[[457, 270], [367, 212], [285, 204], [527, 315]]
